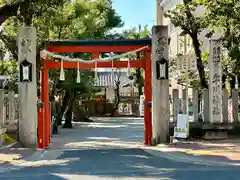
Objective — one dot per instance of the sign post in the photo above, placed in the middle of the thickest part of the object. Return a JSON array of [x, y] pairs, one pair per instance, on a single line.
[[215, 82], [182, 128]]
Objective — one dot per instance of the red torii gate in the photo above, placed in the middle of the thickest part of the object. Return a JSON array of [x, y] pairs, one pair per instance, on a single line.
[[95, 47]]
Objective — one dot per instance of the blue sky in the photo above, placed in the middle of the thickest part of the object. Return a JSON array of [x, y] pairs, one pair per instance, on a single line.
[[134, 12]]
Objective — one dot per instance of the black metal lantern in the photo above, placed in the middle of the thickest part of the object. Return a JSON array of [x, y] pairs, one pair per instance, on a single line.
[[162, 69], [25, 71]]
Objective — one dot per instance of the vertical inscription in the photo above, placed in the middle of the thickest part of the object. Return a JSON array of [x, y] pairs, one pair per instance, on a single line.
[[25, 47], [161, 45], [215, 82]]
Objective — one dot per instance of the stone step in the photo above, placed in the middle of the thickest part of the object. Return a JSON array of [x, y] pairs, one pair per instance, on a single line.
[[215, 135]]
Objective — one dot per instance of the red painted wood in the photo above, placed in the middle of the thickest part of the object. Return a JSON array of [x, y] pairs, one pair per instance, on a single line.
[[116, 48], [45, 100], [148, 98], [40, 130]]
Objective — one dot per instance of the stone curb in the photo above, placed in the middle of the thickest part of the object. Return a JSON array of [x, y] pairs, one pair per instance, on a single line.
[[39, 155], [8, 146], [179, 157], [36, 156]]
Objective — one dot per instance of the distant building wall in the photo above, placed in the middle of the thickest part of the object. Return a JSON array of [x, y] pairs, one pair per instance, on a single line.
[[179, 43]]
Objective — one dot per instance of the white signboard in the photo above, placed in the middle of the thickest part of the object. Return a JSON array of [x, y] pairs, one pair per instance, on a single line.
[[182, 128], [215, 82], [141, 105]]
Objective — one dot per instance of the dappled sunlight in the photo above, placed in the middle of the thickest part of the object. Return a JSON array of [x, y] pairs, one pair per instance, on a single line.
[[102, 133], [143, 166], [159, 170], [106, 126], [140, 136], [134, 123], [110, 162], [103, 177], [92, 144], [81, 145], [221, 145], [45, 162], [103, 125], [74, 176], [9, 157], [103, 138], [137, 156], [111, 119]]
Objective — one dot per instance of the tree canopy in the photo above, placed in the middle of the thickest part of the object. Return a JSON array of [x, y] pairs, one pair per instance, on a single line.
[[62, 19], [220, 16], [183, 17]]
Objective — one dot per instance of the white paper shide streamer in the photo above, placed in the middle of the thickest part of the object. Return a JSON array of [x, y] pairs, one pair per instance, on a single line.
[[62, 75], [66, 58], [78, 73], [45, 53]]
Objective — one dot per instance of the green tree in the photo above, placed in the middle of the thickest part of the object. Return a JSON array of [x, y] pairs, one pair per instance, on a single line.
[[79, 20], [223, 17], [137, 73], [10, 68], [25, 9], [182, 16]]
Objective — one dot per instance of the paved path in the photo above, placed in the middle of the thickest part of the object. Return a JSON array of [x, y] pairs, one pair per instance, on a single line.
[[112, 149]]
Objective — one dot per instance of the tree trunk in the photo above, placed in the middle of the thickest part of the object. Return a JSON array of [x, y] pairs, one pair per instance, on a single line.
[[239, 87], [9, 10], [200, 65], [224, 81], [232, 83], [64, 105], [117, 96], [138, 78], [238, 81], [68, 117], [194, 35], [58, 107]]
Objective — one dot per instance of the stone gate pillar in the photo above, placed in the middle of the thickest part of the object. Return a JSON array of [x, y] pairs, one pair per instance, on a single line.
[[28, 89]]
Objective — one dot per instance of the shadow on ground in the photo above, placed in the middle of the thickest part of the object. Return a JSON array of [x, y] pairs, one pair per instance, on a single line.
[[110, 149], [104, 130], [118, 163]]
